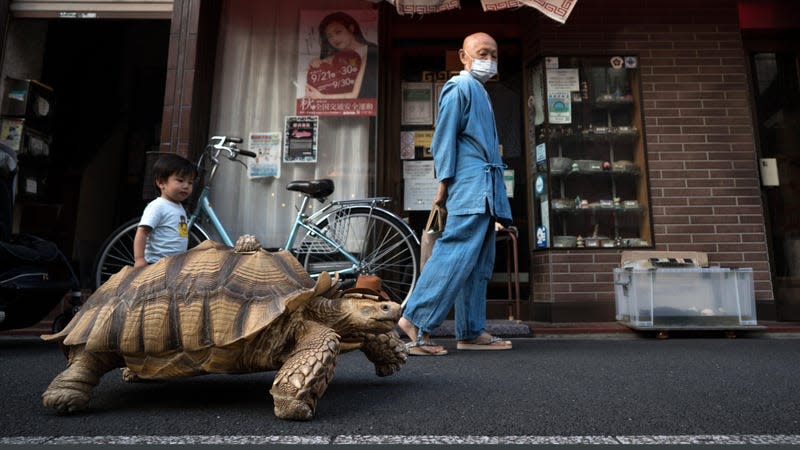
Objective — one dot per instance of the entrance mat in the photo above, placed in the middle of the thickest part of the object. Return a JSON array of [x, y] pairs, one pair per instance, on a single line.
[[494, 327]]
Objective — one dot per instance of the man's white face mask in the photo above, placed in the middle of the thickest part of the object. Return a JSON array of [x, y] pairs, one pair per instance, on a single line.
[[483, 69]]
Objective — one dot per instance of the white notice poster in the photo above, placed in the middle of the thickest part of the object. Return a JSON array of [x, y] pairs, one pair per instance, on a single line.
[[267, 147], [419, 185]]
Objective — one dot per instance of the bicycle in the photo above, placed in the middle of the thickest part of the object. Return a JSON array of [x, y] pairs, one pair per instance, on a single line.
[[351, 237]]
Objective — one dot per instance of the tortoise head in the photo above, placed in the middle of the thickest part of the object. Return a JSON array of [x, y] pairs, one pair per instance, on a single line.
[[354, 314]]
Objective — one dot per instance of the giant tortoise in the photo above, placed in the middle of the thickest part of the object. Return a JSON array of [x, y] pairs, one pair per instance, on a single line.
[[217, 309]]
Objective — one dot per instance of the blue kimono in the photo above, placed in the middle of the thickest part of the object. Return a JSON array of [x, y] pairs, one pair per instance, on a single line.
[[467, 156], [466, 150]]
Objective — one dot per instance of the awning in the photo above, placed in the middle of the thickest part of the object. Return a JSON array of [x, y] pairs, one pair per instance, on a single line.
[[95, 9], [557, 10]]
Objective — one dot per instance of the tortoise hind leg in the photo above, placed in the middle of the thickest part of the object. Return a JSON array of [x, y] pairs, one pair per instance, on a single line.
[[303, 378], [71, 390]]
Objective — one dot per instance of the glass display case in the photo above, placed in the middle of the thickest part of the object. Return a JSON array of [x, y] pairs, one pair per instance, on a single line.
[[586, 145]]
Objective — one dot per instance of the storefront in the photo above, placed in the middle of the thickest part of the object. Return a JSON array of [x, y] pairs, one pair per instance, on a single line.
[[104, 64], [649, 104], [678, 113]]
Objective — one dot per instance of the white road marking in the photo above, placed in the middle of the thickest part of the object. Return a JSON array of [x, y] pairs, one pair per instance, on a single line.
[[712, 439]]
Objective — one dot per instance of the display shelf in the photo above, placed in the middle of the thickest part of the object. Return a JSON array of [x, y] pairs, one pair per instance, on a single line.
[[585, 119]]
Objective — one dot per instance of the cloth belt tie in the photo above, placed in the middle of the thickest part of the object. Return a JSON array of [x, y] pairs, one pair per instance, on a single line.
[[499, 167]]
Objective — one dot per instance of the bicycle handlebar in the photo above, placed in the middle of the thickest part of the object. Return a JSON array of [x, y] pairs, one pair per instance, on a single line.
[[218, 142]]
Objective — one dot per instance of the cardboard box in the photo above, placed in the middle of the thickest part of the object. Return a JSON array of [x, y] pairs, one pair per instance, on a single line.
[[640, 259], [18, 136], [31, 100]]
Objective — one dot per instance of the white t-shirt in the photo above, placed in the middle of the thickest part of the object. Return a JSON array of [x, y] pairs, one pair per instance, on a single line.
[[169, 233]]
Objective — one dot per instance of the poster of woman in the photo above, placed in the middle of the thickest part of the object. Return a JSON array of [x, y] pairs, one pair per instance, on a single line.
[[338, 63]]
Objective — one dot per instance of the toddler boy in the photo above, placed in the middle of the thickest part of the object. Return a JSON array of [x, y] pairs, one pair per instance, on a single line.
[[163, 229]]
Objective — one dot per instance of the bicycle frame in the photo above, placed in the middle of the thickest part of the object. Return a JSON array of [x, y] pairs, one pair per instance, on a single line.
[[307, 223], [204, 207], [301, 221]]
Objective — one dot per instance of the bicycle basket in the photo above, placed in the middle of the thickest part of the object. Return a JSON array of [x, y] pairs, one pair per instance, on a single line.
[[336, 227]]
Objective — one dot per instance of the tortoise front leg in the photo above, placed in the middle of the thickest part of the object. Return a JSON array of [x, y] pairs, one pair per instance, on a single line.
[[387, 351], [71, 390], [305, 375]]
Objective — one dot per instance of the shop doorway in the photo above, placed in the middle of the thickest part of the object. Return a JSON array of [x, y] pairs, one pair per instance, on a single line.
[[108, 79], [775, 74], [423, 54]]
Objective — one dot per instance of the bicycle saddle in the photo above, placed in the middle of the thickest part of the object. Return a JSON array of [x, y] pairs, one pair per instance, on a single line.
[[314, 188]]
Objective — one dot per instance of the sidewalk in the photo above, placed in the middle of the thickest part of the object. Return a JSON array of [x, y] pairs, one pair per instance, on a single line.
[[508, 328], [513, 328]]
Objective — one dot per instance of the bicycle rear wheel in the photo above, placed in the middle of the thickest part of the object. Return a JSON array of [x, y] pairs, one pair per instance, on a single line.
[[117, 251], [381, 242]]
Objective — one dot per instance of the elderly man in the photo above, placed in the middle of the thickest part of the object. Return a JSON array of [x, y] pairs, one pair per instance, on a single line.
[[470, 174]]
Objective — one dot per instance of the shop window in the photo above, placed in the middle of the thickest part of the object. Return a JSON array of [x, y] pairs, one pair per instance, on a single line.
[[260, 88], [587, 150]]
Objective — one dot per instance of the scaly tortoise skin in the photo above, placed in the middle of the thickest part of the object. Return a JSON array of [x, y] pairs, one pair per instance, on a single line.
[[215, 309]]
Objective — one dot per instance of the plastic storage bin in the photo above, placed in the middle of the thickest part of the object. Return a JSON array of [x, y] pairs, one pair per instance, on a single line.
[[685, 298]]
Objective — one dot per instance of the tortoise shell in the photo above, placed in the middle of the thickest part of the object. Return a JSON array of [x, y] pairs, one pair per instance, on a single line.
[[210, 296]]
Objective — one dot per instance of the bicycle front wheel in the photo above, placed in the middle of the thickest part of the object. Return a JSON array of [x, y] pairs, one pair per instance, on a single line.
[[117, 251], [382, 244]]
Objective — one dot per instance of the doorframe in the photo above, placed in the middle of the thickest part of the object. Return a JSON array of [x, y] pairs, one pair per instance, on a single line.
[[768, 41]]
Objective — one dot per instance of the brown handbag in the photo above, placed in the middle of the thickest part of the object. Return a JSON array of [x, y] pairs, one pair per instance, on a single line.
[[432, 232]]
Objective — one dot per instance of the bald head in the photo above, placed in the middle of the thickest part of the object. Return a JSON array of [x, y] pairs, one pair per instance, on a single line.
[[478, 39], [477, 46]]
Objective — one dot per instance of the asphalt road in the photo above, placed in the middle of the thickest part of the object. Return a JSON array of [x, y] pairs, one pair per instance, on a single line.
[[544, 387]]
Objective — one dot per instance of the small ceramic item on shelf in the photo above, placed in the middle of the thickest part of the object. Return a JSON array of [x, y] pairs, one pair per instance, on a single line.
[[561, 204], [579, 242], [605, 98], [607, 243], [564, 241], [594, 242]]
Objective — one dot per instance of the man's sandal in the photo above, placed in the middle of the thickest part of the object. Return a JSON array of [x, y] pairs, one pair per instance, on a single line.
[[484, 342], [425, 348]]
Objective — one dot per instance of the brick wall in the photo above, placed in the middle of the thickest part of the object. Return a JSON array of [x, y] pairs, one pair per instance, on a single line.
[[704, 182]]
